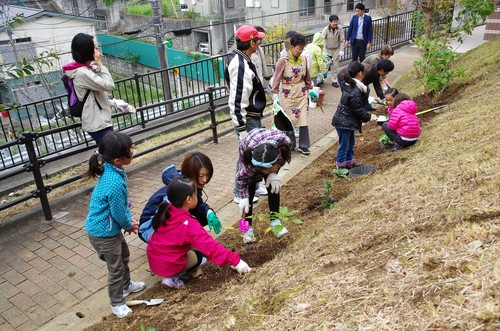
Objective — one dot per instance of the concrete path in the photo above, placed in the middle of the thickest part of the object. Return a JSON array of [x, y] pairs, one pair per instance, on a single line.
[[49, 271]]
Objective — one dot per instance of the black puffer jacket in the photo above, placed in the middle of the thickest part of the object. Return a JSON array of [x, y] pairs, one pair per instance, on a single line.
[[351, 112]]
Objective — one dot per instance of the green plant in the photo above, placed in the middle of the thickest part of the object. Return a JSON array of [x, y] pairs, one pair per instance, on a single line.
[[147, 328], [284, 215], [328, 191], [341, 173], [190, 14], [140, 9], [108, 2]]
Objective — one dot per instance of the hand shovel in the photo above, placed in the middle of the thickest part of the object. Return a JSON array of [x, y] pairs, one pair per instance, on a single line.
[[152, 302]]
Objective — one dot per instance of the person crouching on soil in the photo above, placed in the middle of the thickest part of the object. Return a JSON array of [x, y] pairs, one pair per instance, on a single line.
[[261, 154], [197, 167], [404, 126], [349, 115], [179, 243]]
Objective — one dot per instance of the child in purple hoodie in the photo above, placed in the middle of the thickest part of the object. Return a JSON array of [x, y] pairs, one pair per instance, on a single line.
[[403, 127]]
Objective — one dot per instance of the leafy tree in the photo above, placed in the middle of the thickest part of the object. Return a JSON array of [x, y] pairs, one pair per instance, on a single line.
[[434, 30]]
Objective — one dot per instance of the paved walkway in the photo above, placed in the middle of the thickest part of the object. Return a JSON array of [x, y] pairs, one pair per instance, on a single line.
[[48, 270]]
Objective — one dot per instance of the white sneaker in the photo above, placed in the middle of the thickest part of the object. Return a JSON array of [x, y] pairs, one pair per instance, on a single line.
[[296, 132], [275, 223], [121, 311], [261, 191], [133, 287], [237, 200], [173, 282]]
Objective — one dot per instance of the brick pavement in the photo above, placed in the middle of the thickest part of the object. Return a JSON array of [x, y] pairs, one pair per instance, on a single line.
[[49, 271]]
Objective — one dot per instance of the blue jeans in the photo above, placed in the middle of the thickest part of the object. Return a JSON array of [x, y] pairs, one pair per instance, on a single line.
[[98, 135], [252, 123], [345, 154]]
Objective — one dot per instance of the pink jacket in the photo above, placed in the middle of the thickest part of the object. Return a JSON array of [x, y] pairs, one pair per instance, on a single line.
[[404, 121], [168, 246]]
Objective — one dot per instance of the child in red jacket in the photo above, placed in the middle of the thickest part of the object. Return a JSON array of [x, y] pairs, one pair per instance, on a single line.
[[403, 127], [170, 249]]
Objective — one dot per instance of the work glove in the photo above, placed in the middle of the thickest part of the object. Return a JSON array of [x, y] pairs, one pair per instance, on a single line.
[[276, 97], [274, 180], [373, 117], [244, 205], [341, 53], [242, 267], [213, 221], [314, 96]]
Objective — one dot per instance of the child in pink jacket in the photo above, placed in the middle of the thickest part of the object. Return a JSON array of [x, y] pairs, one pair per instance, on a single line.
[[403, 127], [170, 249]]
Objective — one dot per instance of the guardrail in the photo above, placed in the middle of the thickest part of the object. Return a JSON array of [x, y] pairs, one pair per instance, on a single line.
[[47, 133]]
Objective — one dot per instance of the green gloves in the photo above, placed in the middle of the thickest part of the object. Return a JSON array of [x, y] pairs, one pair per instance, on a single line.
[[314, 96], [213, 221]]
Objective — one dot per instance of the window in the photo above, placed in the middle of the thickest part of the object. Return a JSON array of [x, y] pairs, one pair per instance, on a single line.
[[229, 3], [328, 7], [307, 6]]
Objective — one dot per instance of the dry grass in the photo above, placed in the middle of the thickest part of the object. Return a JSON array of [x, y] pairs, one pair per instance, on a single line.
[[419, 251]]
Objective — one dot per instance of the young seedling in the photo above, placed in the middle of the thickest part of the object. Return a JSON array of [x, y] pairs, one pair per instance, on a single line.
[[341, 173], [284, 215], [328, 190]]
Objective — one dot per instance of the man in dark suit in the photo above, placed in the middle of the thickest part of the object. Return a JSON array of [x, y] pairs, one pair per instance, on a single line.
[[360, 33]]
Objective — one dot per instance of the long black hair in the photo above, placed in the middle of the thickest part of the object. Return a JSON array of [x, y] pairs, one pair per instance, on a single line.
[[178, 190], [113, 145]]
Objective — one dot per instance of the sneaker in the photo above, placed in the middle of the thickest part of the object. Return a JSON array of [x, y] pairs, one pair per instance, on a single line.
[[396, 148], [248, 236], [261, 190], [237, 200], [203, 261], [173, 282], [275, 223], [133, 287], [296, 131], [335, 84], [354, 165], [304, 150], [121, 311]]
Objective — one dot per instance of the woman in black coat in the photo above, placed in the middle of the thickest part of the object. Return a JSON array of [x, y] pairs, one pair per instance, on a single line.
[[350, 114]]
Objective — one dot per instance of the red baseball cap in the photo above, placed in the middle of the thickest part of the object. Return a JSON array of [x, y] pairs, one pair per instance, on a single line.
[[248, 32]]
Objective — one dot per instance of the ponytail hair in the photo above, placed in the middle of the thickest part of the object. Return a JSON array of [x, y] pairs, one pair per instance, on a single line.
[[178, 190], [113, 145]]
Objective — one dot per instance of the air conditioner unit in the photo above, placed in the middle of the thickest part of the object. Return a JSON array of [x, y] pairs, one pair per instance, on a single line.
[[325, 17], [250, 3]]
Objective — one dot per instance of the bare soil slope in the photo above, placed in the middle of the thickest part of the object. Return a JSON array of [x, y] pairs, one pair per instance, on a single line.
[[413, 245]]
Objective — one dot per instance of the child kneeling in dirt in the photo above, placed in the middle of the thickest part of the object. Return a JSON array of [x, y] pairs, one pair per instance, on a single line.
[[176, 232], [403, 127]]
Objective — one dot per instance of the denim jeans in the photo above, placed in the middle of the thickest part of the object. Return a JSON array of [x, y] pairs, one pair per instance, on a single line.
[[114, 251], [252, 123], [98, 135], [345, 154], [396, 137]]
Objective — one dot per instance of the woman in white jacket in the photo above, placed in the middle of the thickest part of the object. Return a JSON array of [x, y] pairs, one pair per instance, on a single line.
[[89, 74]]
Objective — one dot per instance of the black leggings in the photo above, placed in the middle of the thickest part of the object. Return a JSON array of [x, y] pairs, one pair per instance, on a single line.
[[396, 137], [273, 199]]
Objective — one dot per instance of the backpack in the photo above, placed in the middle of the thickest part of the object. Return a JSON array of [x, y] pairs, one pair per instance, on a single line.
[[75, 105]]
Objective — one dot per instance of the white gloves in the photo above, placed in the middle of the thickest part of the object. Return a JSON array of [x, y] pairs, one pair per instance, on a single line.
[[341, 53], [242, 267], [122, 106], [274, 180], [374, 117], [244, 205], [276, 97]]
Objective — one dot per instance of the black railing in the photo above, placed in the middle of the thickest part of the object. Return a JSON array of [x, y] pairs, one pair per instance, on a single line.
[[42, 132]]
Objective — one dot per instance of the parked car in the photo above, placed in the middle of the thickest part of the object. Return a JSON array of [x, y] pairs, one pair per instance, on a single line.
[[204, 47]]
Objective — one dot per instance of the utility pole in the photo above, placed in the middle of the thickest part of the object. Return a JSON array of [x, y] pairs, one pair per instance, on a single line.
[[162, 54], [223, 24]]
